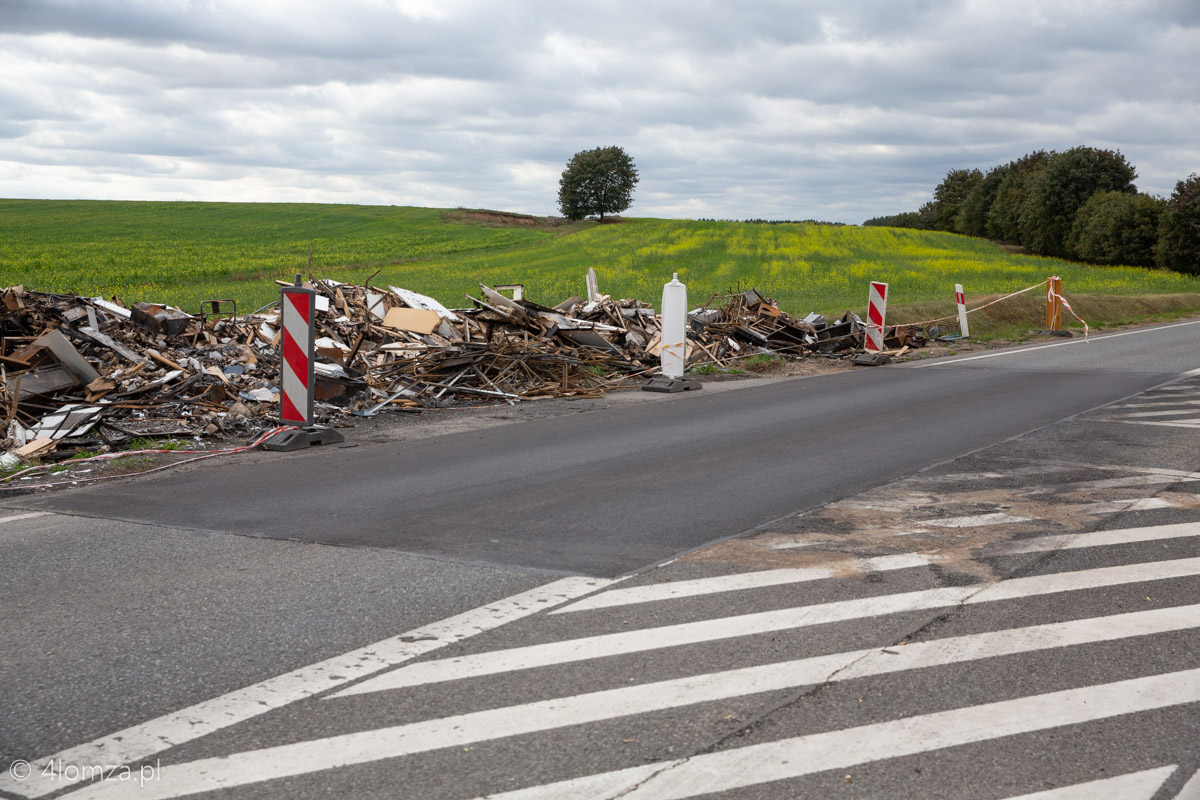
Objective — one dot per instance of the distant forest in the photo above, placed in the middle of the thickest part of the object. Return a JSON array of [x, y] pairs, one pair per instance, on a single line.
[[1080, 204]]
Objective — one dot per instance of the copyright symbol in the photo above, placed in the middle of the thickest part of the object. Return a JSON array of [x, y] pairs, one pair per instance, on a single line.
[[20, 770]]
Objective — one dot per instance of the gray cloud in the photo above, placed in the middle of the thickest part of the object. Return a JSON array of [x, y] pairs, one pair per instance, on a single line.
[[828, 110]]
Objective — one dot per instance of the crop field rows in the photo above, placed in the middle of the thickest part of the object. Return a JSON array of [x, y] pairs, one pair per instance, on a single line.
[[186, 252]]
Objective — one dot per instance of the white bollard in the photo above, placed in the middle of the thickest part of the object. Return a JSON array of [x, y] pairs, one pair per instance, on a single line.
[[962, 310], [674, 328], [593, 286]]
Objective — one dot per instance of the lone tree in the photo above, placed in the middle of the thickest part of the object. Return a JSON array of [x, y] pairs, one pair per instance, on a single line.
[[598, 182]]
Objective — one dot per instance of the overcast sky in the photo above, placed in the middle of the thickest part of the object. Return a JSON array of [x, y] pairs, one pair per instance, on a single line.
[[828, 110]]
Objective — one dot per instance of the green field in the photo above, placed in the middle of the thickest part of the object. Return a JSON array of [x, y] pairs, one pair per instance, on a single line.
[[185, 252]]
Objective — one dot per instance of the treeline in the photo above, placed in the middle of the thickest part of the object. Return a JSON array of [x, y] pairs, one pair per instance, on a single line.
[[1080, 204]]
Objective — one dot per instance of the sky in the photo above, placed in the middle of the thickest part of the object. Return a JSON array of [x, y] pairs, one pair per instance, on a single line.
[[835, 111]]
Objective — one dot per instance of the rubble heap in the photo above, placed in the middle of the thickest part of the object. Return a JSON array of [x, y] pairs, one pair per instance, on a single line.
[[90, 371]]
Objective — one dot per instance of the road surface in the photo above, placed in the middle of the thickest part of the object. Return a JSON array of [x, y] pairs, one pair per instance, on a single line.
[[975, 577]]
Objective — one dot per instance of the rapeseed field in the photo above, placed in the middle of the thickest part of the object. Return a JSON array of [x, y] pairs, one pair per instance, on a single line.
[[185, 252]]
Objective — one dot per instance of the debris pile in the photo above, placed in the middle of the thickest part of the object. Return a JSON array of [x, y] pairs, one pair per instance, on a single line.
[[729, 324], [88, 372]]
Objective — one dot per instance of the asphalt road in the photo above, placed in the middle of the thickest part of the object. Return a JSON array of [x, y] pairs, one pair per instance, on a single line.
[[605, 493], [126, 605]]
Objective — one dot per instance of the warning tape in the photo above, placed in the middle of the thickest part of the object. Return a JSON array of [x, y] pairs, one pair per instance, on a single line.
[[977, 308], [1067, 306], [112, 456]]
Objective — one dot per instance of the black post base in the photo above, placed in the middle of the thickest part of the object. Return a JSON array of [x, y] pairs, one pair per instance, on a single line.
[[302, 438], [672, 385]]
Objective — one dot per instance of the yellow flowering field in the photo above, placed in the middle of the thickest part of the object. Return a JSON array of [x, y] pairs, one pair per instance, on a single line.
[[185, 252]]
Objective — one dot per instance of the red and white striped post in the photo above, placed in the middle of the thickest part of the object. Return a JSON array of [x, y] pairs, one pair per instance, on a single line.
[[961, 299], [876, 308], [298, 311]]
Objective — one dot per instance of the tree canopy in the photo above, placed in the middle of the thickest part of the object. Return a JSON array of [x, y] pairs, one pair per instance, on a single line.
[[1179, 235], [598, 181]]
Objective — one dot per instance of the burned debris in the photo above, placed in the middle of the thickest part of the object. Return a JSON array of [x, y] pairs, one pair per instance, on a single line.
[[77, 371]]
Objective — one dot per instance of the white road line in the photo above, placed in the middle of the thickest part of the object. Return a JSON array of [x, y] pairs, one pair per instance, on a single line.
[[656, 592], [1174, 473], [1180, 423], [148, 738], [611, 644], [1173, 413], [30, 515], [1134, 786], [1191, 789], [744, 580], [289, 760], [1075, 541], [1166, 401], [1037, 469], [1117, 483], [975, 521], [1131, 504], [806, 755], [1092, 340]]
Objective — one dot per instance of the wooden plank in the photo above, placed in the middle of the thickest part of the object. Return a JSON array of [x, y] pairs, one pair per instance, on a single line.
[[111, 344]]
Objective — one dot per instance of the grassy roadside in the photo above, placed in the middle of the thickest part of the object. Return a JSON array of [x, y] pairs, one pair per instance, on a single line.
[[186, 252]]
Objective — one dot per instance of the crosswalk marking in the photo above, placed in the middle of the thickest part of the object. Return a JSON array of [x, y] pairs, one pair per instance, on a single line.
[[1165, 401], [1076, 541], [587, 648], [805, 755], [1130, 504], [354, 748], [656, 592], [148, 738], [1174, 412], [975, 520], [1134, 786], [1179, 423], [1191, 789]]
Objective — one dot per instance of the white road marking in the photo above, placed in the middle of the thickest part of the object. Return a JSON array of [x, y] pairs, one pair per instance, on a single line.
[[1117, 483], [300, 758], [1134, 786], [1091, 340], [1179, 423], [591, 647], [656, 592], [1043, 468], [1131, 504], [1174, 473], [744, 580], [148, 738], [1173, 413], [806, 755], [30, 515], [1075, 541], [1166, 401], [975, 521], [1191, 789]]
